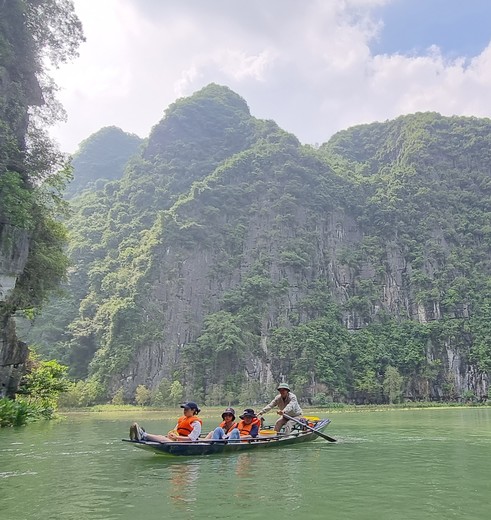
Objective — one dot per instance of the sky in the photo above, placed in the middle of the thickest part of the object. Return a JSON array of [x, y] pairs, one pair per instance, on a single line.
[[313, 66]]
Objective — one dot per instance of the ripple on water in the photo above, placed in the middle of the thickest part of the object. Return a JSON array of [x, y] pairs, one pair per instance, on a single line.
[[9, 474], [78, 453], [348, 440]]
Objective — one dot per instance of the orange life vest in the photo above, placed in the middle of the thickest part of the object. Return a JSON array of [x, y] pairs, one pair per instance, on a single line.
[[233, 425], [245, 429], [184, 423]]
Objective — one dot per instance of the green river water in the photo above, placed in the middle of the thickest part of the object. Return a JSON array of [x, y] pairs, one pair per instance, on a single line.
[[388, 465]]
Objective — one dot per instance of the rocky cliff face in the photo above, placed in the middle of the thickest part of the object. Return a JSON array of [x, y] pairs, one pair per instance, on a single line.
[[302, 241], [19, 89], [230, 254], [13, 356], [14, 248], [301, 238]]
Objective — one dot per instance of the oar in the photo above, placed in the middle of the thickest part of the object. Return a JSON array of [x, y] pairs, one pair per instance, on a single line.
[[323, 435]]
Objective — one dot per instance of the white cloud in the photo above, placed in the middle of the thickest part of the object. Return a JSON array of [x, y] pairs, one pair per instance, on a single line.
[[307, 65]]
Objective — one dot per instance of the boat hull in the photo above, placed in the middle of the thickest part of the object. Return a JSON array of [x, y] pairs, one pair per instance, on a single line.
[[211, 447]]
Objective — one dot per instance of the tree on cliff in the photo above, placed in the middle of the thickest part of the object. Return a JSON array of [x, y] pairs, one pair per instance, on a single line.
[[34, 35]]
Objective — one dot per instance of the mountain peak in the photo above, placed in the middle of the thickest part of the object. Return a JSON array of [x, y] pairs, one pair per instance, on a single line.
[[102, 157], [212, 118]]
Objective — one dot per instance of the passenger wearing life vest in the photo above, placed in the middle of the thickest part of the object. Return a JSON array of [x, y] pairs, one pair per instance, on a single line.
[[257, 420], [249, 424], [224, 429], [188, 427]]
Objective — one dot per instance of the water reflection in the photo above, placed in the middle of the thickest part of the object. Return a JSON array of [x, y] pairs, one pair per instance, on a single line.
[[183, 479], [207, 482], [245, 476], [243, 466]]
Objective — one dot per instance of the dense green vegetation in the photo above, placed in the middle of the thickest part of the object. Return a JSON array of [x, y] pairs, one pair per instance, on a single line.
[[220, 255], [425, 190], [38, 394], [228, 251], [33, 36]]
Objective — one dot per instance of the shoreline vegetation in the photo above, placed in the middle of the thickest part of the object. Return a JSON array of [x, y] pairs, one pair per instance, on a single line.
[[19, 413], [316, 410]]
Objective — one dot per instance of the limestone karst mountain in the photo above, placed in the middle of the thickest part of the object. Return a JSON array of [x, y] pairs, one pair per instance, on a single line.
[[229, 255]]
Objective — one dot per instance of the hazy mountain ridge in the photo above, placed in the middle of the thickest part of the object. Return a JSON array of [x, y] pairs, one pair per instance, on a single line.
[[100, 158]]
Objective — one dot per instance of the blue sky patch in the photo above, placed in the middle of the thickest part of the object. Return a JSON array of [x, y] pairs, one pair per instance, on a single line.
[[457, 27]]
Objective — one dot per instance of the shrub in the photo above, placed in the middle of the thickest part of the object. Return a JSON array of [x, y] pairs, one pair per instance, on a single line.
[[14, 412], [142, 395], [81, 394], [118, 397], [321, 399]]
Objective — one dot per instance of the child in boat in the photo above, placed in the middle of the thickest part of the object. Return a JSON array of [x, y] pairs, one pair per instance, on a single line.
[[188, 427]]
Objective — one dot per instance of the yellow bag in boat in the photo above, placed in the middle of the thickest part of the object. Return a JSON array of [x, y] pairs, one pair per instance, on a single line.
[[268, 432], [312, 418]]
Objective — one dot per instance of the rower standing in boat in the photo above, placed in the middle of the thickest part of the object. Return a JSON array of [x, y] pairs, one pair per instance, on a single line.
[[188, 427], [287, 403]]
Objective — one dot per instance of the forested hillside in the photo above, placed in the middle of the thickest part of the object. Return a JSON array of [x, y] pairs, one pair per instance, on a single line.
[[100, 158], [229, 256]]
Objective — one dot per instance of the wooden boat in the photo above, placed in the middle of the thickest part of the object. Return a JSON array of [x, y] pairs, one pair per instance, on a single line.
[[211, 447]]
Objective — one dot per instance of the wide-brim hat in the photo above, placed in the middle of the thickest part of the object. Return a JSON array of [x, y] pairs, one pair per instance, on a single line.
[[229, 410], [283, 386]]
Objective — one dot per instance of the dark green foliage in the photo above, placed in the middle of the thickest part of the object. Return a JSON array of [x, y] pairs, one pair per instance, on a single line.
[[32, 171], [14, 412], [204, 129], [17, 201], [313, 353], [38, 394], [45, 268]]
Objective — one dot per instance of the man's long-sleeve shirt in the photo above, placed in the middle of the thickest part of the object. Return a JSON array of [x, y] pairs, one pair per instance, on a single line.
[[289, 405]]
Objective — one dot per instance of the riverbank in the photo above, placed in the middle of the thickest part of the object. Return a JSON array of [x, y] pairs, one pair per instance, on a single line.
[[317, 410]]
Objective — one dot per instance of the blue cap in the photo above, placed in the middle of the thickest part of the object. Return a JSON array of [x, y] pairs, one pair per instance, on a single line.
[[191, 405]]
